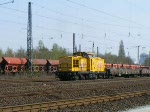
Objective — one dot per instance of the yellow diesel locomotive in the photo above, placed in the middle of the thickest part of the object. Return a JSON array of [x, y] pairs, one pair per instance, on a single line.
[[81, 66]]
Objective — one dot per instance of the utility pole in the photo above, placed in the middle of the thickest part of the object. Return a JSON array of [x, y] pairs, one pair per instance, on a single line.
[[138, 55], [79, 47], [93, 47], [29, 38], [149, 59], [128, 54], [97, 51], [74, 45]]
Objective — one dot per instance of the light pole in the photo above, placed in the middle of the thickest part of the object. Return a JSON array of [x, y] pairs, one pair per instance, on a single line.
[[92, 46], [50, 40], [128, 52], [97, 52], [149, 58], [128, 56]]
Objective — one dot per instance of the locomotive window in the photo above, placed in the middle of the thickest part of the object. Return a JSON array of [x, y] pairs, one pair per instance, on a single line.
[[75, 63]]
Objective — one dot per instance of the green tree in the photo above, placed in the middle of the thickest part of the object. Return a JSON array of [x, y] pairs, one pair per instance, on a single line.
[[1, 53], [125, 60], [121, 50], [57, 52], [41, 52], [114, 59], [110, 58], [9, 52], [41, 44], [21, 53], [147, 62]]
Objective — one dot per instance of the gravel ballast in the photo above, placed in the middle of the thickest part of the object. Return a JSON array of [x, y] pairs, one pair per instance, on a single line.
[[54, 90]]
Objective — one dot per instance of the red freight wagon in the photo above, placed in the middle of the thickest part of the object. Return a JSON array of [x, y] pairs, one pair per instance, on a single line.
[[52, 66], [0, 65], [39, 65], [13, 65], [107, 65]]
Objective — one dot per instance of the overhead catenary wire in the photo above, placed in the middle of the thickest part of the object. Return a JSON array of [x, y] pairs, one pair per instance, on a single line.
[[88, 20], [60, 20], [60, 30], [7, 2], [83, 19], [41, 27], [108, 14], [75, 23]]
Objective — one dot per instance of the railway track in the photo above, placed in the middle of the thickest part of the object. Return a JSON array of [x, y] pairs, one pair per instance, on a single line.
[[72, 102], [56, 80], [14, 84], [51, 91]]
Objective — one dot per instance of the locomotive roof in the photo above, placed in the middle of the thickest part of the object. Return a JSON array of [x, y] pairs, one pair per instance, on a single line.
[[84, 54]]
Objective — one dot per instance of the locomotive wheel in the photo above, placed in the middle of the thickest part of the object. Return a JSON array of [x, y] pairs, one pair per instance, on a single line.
[[126, 76], [86, 76], [96, 76], [107, 75], [81, 77], [77, 77], [91, 76]]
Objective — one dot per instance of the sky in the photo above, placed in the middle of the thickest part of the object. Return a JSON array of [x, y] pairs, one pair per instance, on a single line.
[[104, 22]]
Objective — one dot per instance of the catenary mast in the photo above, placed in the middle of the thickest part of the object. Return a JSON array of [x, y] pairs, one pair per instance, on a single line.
[[29, 38]]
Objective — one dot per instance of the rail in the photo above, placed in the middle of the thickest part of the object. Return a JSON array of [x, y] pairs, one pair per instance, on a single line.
[[72, 102]]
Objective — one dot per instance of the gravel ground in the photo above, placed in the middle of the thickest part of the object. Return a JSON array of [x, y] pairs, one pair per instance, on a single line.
[[112, 106], [53, 90]]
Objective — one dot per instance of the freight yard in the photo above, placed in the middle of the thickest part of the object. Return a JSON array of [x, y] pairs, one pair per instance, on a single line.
[[72, 56], [21, 92]]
